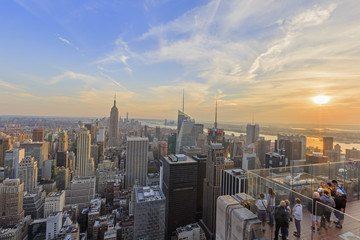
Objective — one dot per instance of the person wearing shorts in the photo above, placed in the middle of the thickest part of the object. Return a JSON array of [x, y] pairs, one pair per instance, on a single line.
[[316, 211]]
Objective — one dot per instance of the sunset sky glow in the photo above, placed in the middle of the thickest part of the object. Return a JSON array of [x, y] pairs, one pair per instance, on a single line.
[[267, 58]]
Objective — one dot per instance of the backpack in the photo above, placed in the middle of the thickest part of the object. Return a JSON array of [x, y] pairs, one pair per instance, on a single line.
[[342, 189]]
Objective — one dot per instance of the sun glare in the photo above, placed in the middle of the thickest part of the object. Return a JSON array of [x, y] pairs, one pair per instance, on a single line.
[[321, 99]]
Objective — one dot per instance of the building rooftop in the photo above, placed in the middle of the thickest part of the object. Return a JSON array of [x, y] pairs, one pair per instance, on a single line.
[[237, 171], [179, 159], [137, 139], [55, 194], [147, 194]]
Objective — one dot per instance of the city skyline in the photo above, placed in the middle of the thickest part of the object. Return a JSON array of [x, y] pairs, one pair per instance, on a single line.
[[266, 58]]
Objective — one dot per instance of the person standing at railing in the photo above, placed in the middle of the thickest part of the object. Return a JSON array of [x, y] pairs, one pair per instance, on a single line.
[[270, 197], [298, 216], [316, 211], [330, 204], [340, 205], [281, 220], [261, 205]]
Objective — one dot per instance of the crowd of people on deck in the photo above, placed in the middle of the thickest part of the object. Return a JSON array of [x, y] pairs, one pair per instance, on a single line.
[[328, 200]]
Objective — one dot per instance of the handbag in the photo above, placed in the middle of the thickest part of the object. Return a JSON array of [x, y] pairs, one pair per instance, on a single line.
[[267, 207]]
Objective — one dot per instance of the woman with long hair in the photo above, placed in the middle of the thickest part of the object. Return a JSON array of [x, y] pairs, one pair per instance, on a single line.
[[270, 197]]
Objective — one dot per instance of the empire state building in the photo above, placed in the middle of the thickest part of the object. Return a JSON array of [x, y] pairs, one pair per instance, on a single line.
[[114, 126]]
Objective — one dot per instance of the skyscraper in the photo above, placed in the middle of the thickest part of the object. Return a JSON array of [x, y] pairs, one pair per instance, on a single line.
[[28, 173], [328, 144], [186, 135], [5, 144], [84, 164], [179, 185], [11, 202], [136, 161], [114, 126], [38, 135], [214, 165], [252, 133], [63, 142], [149, 219], [12, 159]]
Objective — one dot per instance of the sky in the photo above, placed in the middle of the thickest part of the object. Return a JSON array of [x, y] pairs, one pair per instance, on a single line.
[[261, 58]]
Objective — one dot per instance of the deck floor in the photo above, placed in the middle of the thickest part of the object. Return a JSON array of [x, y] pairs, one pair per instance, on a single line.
[[351, 226]]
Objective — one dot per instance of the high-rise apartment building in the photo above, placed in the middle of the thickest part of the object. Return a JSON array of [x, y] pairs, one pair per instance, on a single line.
[[28, 173], [179, 185], [252, 133], [84, 164], [38, 135], [12, 160], [114, 126], [149, 216], [136, 161], [328, 144], [11, 202], [5, 144], [63, 142]]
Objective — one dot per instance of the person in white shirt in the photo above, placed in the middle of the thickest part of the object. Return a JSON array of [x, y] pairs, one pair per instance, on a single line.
[[298, 216], [261, 205]]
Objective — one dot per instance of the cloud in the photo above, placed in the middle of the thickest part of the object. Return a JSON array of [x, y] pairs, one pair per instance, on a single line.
[[74, 76], [121, 54], [10, 86], [64, 40]]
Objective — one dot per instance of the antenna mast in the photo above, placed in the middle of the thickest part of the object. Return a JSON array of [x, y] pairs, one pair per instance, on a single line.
[[183, 107], [216, 114]]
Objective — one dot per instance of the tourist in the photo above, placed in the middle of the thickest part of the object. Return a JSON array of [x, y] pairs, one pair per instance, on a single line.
[[270, 197], [340, 205], [261, 205], [298, 216], [330, 204], [281, 220], [315, 211]]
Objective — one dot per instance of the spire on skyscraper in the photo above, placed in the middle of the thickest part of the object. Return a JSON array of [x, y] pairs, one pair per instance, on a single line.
[[216, 114], [115, 100], [183, 107]]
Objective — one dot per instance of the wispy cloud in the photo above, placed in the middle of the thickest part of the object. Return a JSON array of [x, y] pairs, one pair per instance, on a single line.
[[64, 40], [10, 86]]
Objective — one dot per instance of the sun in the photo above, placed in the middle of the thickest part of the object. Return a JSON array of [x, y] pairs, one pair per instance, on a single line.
[[321, 99]]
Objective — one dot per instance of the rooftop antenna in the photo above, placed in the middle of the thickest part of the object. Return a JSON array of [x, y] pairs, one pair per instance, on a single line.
[[252, 119], [115, 99], [183, 107], [216, 114]]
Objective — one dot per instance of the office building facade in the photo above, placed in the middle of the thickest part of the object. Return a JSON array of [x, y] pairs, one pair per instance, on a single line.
[[84, 164], [149, 214], [179, 185], [136, 161], [11, 202]]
